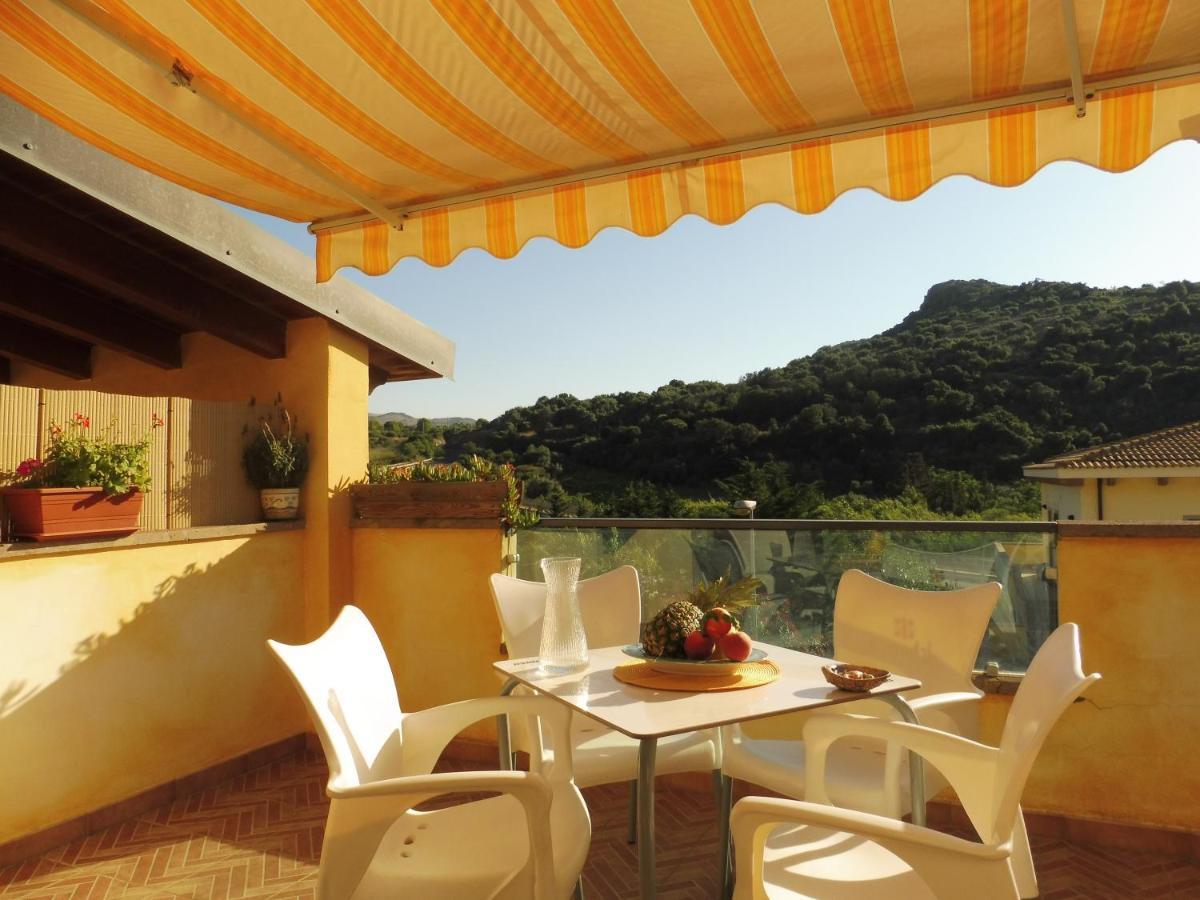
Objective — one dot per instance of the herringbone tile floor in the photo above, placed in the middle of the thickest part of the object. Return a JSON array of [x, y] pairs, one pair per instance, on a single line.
[[259, 836]]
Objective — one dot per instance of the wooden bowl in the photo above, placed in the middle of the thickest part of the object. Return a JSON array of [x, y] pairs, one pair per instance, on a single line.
[[836, 675]]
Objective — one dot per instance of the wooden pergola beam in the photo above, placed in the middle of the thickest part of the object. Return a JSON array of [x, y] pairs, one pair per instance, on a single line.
[[55, 303], [45, 348], [111, 266], [376, 375]]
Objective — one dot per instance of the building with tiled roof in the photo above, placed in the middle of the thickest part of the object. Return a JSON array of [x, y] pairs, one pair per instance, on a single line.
[[1147, 478]]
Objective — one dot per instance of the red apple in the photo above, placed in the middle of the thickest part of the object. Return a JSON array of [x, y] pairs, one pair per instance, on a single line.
[[698, 645], [736, 645], [718, 622]]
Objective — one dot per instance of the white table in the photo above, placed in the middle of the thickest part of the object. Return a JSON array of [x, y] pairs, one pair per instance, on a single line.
[[647, 715]]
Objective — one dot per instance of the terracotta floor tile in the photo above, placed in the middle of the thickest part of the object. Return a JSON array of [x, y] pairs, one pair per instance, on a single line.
[[258, 836]]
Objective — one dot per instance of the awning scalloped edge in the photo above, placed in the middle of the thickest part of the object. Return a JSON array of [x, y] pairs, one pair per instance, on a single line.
[[1007, 147]]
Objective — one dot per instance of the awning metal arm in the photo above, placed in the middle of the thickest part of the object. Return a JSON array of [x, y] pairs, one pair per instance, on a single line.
[[182, 76], [1071, 32]]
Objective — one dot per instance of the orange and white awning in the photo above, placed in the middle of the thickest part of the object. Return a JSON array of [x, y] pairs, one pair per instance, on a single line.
[[426, 128]]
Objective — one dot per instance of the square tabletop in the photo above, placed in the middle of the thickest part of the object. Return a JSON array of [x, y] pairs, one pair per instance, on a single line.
[[645, 712]]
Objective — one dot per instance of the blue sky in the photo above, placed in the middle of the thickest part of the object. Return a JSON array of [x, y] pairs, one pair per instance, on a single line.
[[705, 302]]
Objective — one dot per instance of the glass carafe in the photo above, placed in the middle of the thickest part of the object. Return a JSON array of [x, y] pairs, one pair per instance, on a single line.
[[563, 647]]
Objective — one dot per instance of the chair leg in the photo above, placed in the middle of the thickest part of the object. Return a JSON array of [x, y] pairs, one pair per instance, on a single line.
[[1022, 859], [631, 836], [723, 786]]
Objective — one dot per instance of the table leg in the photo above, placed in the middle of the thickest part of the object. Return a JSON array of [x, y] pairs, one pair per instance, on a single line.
[[503, 736], [631, 837], [916, 765], [724, 860], [647, 748]]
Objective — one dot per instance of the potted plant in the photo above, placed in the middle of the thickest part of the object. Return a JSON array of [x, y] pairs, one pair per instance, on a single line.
[[473, 493], [86, 484], [276, 461]]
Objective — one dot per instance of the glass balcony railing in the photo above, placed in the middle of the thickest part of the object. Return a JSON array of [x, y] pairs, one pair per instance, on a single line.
[[799, 564]]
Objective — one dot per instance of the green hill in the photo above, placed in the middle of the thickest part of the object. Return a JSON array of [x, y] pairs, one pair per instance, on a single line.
[[936, 414], [410, 421]]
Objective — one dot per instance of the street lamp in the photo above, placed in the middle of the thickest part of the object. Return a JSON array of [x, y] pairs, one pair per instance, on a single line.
[[744, 508]]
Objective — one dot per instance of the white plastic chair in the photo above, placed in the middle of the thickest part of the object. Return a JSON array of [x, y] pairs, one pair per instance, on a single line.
[[791, 848], [531, 841], [611, 605], [933, 636]]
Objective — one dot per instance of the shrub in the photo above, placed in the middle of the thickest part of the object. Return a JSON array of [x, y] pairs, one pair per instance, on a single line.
[[276, 460]]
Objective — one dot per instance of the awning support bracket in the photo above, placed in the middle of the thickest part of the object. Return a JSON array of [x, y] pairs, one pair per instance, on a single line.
[[1071, 33], [180, 76]]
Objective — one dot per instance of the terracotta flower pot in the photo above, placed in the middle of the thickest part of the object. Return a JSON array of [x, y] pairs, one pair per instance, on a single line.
[[45, 514], [280, 503]]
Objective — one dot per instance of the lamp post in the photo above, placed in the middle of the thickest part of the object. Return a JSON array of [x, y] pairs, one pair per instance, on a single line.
[[744, 509]]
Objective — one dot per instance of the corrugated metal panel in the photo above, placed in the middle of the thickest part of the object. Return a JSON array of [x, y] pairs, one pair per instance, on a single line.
[[18, 425], [208, 485], [195, 459], [18, 433]]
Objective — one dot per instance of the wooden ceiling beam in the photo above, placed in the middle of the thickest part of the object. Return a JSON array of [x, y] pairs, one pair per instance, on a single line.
[[376, 375], [55, 303], [45, 348], [56, 240]]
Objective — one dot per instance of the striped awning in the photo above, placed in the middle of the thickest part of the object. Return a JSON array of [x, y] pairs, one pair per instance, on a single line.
[[426, 128]]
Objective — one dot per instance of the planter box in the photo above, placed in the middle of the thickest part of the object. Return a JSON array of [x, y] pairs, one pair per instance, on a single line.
[[46, 514], [430, 504]]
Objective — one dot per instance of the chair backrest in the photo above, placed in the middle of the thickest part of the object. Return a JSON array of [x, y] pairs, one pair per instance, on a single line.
[[611, 605], [347, 685], [1051, 684], [930, 635]]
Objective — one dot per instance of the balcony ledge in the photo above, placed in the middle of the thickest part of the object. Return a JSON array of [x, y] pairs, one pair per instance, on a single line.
[[145, 539]]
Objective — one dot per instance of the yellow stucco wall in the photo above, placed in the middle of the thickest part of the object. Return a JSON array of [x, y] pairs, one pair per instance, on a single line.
[[133, 667], [1066, 502], [123, 669], [1145, 500], [426, 592], [1126, 753], [1126, 500], [324, 383]]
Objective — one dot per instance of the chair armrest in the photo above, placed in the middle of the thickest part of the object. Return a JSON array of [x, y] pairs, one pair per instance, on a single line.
[[968, 765], [369, 809], [954, 711], [427, 732], [944, 700], [439, 783], [754, 818], [753, 812]]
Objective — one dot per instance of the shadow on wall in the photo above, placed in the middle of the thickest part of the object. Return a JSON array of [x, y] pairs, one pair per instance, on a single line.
[[107, 694]]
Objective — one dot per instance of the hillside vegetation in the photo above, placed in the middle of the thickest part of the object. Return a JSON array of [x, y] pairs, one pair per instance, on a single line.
[[932, 418]]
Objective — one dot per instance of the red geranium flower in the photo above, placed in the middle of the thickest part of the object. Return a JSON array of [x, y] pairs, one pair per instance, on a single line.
[[29, 467]]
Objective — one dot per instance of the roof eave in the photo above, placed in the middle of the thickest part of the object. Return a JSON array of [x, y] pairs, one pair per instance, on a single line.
[[210, 228], [1044, 472]]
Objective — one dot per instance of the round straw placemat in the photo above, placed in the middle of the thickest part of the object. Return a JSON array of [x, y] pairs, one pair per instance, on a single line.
[[746, 675]]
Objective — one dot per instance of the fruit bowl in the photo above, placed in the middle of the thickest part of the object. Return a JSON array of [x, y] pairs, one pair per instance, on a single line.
[[671, 666], [855, 678]]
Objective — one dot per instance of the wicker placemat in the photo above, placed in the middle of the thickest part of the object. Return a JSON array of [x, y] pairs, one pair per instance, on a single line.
[[746, 675]]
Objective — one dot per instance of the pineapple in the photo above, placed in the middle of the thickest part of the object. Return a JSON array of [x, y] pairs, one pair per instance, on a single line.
[[734, 596], [663, 635]]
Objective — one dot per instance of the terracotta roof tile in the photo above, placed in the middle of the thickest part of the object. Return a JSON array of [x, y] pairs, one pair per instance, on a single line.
[[1177, 446]]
